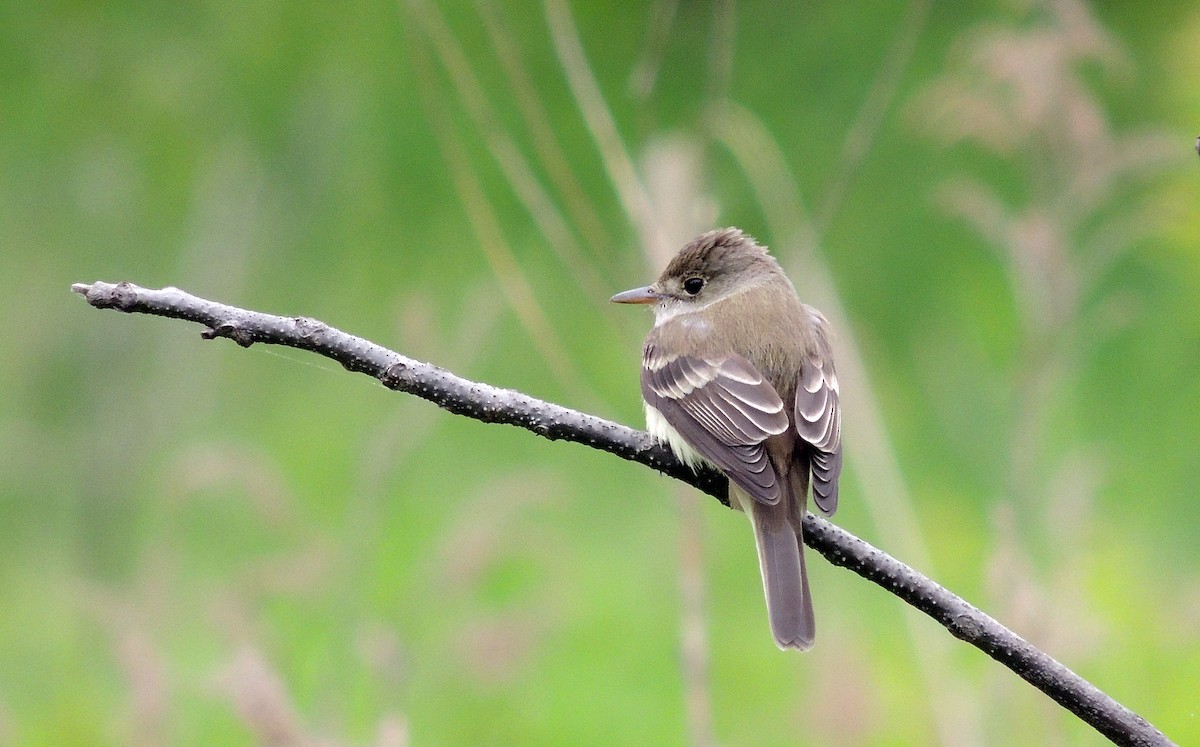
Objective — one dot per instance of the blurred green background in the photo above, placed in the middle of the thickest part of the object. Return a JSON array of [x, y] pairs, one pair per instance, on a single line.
[[200, 544]]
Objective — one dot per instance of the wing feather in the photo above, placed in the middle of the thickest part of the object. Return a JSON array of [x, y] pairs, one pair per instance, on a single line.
[[724, 409], [819, 422]]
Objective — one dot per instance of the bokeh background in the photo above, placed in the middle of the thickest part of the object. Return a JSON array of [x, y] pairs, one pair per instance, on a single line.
[[996, 203]]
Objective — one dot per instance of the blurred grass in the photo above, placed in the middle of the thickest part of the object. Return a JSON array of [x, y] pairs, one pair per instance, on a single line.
[[203, 544]]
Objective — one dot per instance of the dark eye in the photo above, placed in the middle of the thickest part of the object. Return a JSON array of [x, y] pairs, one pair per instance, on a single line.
[[692, 286]]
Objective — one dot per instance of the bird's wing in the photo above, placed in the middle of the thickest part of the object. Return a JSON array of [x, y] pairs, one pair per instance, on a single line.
[[723, 408], [819, 422]]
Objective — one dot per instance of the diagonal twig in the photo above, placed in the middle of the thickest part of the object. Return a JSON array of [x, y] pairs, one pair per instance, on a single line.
[[493, 405]]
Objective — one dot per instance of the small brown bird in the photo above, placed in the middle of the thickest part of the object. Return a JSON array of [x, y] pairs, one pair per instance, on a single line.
[[737, 373]]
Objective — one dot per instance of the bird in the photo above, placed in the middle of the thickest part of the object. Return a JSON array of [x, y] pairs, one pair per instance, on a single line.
[[738, 374]]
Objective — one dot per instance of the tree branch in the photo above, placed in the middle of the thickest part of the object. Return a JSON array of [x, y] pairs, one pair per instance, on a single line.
[[494, 405]]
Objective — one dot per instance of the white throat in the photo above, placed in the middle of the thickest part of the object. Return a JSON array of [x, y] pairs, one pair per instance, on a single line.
[[664, 314]]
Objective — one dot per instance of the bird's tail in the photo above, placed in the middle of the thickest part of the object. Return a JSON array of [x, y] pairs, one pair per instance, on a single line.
[[785, 579]]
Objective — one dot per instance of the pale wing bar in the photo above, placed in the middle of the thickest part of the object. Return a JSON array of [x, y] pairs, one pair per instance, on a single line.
[[819, 422], [724, 409]]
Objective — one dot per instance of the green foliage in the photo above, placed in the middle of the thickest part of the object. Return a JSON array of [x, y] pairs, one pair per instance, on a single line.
[[207, 545]]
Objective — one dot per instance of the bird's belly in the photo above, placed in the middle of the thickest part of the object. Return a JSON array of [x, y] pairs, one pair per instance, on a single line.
[[658, 427]]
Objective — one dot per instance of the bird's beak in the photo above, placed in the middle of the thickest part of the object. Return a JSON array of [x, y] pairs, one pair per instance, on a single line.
[[638, 295]]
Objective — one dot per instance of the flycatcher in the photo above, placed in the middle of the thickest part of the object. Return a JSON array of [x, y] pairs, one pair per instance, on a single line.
[[737, 373]]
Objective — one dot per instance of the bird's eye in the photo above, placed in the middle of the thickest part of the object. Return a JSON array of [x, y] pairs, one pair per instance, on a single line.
[[692, 286]]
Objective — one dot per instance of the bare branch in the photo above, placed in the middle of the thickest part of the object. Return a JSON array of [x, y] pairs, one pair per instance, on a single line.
[[493, 405]]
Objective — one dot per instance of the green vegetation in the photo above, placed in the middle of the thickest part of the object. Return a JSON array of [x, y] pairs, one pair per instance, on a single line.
[[201, 544]]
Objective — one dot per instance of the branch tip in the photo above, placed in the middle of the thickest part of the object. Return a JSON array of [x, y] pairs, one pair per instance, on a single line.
[[122, 296]]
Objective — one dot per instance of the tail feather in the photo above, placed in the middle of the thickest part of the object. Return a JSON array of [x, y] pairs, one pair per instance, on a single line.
[[784, 576]]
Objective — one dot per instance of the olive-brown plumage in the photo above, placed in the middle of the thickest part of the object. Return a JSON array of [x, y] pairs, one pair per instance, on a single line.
[[737, 372]]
